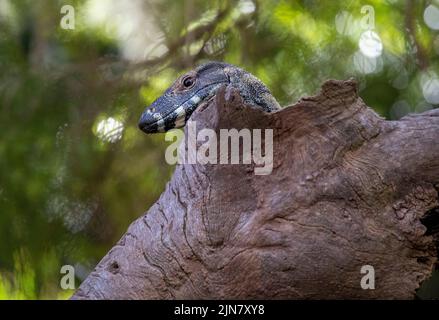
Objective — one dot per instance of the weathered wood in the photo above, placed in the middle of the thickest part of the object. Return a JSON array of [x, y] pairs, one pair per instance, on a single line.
[[348, 189]]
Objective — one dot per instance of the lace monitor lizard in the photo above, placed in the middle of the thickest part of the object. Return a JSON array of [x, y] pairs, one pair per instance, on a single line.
[[175, 106]]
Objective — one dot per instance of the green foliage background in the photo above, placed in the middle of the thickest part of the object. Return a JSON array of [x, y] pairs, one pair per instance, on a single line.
[[68, 193]]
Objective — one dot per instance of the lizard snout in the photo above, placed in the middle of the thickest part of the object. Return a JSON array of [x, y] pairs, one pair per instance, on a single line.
[[150, 122], [159, 116]]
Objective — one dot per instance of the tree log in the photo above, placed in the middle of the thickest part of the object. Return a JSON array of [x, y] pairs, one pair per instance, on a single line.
[[347, 189]]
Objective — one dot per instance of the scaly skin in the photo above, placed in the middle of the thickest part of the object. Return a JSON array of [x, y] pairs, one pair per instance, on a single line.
[[176, 105]]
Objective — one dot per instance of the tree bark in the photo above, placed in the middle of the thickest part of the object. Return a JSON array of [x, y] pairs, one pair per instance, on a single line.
[[347, 189]]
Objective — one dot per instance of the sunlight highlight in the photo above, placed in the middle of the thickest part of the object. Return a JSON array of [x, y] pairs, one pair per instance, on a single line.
[[370, 44], [246, 6], [430, 87], [123, 20], [110, 130], [431, 17]]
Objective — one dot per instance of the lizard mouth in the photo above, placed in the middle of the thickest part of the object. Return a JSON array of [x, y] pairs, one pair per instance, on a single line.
[[163, 115]]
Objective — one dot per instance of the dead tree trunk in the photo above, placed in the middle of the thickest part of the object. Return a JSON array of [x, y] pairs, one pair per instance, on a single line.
[[347, 189]]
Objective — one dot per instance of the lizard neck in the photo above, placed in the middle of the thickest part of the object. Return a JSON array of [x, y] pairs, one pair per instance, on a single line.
[[252, 90]]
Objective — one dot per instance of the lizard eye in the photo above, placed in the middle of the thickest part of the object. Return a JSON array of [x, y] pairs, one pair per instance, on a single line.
[[188, 82]]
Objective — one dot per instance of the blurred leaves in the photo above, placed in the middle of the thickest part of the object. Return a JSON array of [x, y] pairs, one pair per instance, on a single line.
[[72, 179]]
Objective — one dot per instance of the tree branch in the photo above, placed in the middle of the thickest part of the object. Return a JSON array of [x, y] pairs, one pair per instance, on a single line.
[[347, 189]]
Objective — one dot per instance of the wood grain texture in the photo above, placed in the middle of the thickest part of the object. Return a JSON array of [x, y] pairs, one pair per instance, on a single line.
[[347, 189]]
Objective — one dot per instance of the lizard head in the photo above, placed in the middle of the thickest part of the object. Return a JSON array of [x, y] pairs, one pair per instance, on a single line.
[[179, 101]]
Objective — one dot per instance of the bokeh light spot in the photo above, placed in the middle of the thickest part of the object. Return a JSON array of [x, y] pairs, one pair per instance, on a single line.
[[399, 109], [246, 6], [431, 17], [110, 130], [430, 90], [344, 22], [364, 64], [370, 44]]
